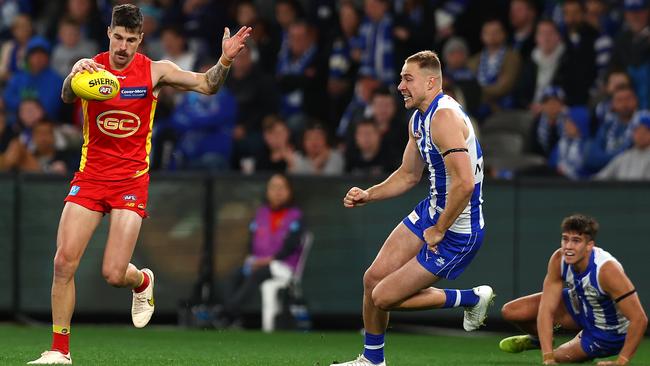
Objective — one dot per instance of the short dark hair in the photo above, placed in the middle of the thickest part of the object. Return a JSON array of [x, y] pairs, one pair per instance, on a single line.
[[269, 122], [529, 3], [574, 2], [128, 16], [622, 88], [580, 224], [382, 90], [367, 122], [426, 60]]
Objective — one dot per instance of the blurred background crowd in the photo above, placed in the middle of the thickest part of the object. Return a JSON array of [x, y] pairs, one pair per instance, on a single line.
[[554, 87]]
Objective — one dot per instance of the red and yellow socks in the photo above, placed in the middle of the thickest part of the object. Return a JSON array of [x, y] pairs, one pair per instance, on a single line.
[[61, 339], [143, 285]]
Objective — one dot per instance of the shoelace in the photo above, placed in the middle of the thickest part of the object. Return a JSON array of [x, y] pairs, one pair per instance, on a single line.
[[141, 300]]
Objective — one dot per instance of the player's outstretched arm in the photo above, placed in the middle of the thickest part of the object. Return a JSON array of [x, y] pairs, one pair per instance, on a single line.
[[617, 285], [551, 297], [165, 72], [402, 179], [85, 64]]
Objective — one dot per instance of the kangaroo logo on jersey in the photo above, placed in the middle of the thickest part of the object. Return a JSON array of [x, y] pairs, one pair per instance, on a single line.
[[118, 124]]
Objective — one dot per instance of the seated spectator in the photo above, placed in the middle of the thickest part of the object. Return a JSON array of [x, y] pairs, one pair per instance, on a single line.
[[318, 157], [496, 68], [358, 108], [71, 47], [30, 113], [276, 233], [86, 14], [547, 127], [204, 125], [12, 52], [257, 96], [615, 79], [278, 150], [569, 155], [176, 49], [38, 81], [368, 156], [391, 121], [287, 12], [633, 164], [261, 41], [41, 156], [578, 68], [632, 48], [522, 15], [455, 55], [414, 28], [301, 77], [602, 19], [540, 70], [615, 135], [377, 46], [344, 60]]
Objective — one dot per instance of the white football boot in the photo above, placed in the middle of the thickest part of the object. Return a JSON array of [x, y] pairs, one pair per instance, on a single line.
[[476, 315], [143, 303], [360, 361], [52, 358]]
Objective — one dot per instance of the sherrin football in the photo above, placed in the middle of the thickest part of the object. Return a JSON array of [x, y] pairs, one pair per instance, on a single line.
[[99, 85]]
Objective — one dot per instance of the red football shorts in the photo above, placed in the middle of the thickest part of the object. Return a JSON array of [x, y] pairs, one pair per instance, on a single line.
[[104, 196]]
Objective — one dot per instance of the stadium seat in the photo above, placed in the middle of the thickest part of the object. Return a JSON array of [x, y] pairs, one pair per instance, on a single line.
[[514, 121], [283, 279], [502, 143]]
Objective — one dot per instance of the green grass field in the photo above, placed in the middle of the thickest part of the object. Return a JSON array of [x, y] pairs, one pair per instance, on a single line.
[[119, 345]]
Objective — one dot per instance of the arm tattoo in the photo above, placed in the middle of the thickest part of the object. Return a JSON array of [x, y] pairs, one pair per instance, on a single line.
[[67, 94], [216, 76]]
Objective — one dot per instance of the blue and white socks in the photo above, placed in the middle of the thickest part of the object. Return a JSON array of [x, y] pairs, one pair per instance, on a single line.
[[456, 298], [373, 348]]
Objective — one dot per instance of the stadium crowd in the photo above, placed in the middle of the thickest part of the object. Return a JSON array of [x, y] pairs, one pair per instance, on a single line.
[[557, 88]]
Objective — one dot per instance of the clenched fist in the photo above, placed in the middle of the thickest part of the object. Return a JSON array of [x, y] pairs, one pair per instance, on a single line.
[[355, 197]]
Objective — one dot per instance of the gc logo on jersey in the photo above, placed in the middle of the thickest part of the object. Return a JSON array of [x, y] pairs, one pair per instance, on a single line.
[[118, 124]]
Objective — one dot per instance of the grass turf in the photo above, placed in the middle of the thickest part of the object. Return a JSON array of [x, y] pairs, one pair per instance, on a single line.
[[117, 345]]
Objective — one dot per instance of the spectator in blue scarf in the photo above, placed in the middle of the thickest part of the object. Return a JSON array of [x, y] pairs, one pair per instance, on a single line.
[[568, 157], [548, 127], [344, 60], [377, 49], [615, 135], [301, 76], [496, 68]]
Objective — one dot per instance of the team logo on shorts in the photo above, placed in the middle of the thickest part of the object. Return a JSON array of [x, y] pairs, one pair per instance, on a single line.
[[141, 206], [440, 261], [413, 217], [130, 197], [74, 190]]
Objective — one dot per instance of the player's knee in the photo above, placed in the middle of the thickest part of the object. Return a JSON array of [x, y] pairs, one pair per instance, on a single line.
[[113, 277], [510, 312], [370, 280], [381, 300], [64, 266]]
